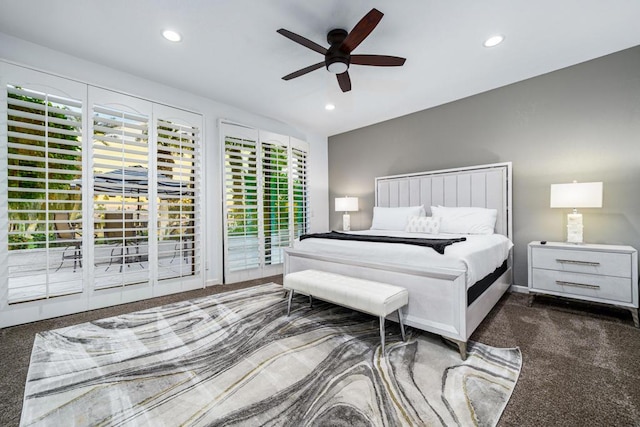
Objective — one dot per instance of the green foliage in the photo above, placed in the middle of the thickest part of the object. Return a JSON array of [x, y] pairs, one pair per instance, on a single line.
[[242, 219], [28, 241], [40, 147]]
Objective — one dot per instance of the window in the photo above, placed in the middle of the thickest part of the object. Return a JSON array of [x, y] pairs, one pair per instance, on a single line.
[[300, 195], [120, 196], [102, 202], [266, 200], [275, 200], [44, 147], [178, 167], [242, 248]]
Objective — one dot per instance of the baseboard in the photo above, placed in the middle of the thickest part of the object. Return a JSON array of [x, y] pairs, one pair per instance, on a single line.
[[519, 289]]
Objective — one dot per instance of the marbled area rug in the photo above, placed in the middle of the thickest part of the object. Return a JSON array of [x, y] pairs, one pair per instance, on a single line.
[[236, 359]]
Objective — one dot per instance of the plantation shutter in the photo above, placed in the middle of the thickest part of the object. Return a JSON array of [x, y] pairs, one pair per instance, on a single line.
[[121, 196], [44, 204], [242, 243], [299, 191], [266, 200], [275, 196], [92, 175], [179, 201]]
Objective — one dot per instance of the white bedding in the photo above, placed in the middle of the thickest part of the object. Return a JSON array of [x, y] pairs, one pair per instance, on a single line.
[[478, 256]]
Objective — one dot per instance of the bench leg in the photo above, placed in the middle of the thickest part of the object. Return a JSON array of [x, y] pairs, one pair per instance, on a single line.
[[289, 303], [310, 301], [382, 333], [401, 325]]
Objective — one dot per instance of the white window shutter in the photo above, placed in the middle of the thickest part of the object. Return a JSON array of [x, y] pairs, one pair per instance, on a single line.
[[266, 199], [44, 204], [179, 202], [121, 195], [242, 248]]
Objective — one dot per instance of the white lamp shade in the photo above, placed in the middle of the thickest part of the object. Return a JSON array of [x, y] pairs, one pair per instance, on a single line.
[[346, 204], [576, 195]]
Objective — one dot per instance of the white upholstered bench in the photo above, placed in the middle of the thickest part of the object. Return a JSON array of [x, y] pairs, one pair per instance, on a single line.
[[378, 299]]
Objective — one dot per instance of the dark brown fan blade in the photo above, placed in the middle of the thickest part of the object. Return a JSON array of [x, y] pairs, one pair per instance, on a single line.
[[361, 30], [378, 60], [304, 42], [344, 81], [304, 71]]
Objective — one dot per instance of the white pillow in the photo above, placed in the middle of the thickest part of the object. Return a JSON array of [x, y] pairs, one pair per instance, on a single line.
[[394, 218], [465, 220], [423, 224]]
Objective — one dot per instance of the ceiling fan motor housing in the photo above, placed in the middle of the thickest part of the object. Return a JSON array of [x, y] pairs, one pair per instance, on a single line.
[[336, 60]]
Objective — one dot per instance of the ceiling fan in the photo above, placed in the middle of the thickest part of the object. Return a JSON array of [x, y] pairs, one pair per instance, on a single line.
[[338, 57]]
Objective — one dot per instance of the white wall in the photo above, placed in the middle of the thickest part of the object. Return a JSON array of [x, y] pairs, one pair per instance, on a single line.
[[24, 53]]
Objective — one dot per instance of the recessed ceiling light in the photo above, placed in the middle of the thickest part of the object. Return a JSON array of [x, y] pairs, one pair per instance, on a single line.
[[171, 35], [329, 107], [493, 41]]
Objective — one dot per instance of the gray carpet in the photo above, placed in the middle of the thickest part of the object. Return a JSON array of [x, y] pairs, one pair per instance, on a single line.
[[237, 359], [581, 363]]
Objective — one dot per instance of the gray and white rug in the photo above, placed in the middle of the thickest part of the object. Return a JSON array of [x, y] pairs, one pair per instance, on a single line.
[[236, 359]]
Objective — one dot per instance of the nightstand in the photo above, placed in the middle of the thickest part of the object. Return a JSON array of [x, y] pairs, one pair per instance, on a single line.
[[601, 273]]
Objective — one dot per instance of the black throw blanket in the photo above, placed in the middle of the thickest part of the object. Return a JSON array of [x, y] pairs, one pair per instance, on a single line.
[[438, 245]]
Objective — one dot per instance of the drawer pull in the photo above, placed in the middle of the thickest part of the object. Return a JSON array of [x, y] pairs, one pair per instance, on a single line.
[[571, 261], [577, 285]]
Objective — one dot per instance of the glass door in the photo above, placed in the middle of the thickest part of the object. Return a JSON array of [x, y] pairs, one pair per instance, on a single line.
[[242, 240], [102, 201], [120, 192], [266, 200], [177, 211]]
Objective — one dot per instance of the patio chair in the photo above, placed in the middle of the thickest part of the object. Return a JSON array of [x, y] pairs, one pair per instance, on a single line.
[[188, 245], [66, 233], [120, 228]]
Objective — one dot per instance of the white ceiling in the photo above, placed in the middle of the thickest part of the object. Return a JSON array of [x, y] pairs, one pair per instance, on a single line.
[[231, 52]]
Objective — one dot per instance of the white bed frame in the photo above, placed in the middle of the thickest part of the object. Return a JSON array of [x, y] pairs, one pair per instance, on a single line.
[[437, 296]]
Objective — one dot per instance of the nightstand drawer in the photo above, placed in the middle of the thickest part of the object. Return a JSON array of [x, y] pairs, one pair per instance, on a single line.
[[583, 261], [600, 287]]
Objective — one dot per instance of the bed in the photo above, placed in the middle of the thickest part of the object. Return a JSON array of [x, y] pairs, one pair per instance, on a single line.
[[450, 295]]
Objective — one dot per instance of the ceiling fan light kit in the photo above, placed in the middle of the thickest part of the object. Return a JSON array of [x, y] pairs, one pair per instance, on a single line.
[[338, 58], [337, 66]]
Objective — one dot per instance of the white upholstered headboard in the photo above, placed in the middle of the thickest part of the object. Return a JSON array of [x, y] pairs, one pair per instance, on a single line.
[[484, 186]]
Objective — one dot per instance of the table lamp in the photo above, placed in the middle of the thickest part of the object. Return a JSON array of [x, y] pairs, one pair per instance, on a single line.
[[346, 205], [576, 195]]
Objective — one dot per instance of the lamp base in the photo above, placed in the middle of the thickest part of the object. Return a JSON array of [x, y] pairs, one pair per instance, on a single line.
[[346, 222], [574, 228]]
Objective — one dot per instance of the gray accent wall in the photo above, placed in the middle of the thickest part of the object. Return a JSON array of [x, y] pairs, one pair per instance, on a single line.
[[579, 123]]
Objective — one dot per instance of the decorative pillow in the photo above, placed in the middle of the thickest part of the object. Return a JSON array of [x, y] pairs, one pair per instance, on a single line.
[[423, 224], [465, 220], [394, 218]]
